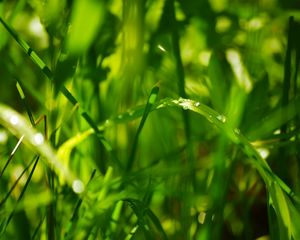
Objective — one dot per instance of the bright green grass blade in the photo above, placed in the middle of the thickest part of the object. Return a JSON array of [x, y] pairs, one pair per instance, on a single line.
[[33, 92], [17, 125], [215, 119], [219, 84], [44, 68], [87, 17], [24, 102], [151, 100], [287, 215], [35, 58], [11, 156], [211, 115]]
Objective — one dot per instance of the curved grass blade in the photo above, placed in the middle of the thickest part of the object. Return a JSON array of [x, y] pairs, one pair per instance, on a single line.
[[17, 125], [215, 119], [212, 116]]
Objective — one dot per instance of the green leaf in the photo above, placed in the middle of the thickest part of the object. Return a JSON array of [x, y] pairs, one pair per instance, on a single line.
[[86, 20], [219, 75], [288, 215]]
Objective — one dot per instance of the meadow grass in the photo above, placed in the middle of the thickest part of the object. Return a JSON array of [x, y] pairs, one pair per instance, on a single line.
[[129, 132]]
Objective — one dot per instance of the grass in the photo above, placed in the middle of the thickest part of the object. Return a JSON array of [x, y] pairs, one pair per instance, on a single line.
[[160, 122]]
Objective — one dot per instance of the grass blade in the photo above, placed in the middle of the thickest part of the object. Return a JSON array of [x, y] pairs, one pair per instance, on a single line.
[[17, 125], [46, 70], [151, 100]]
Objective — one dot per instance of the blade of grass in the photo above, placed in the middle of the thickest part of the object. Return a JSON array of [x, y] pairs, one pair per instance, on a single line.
[[75, 217], [170, 8], [151, 100], [34, 235], [11, 155], [15, 184], [216, 119], [24, 102], [17, 125], [36, 160], [46, 70]]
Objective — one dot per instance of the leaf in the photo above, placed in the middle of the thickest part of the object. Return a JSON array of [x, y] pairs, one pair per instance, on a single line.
[[287, 215], [218, 73], [86, 20]]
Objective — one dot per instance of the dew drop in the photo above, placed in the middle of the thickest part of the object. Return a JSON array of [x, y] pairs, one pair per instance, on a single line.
[[3, 137], [160, 47], [221, 118], [120, 116], [237, 131], [197, 104], [131, 113], [185, 107], [181, 100], [201, 217], [263, 152], [78, 186], [38, 139], [14, 120], [210, 118]]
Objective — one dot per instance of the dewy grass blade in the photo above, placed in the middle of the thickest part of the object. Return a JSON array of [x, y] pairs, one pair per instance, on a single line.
[[17, 125], [46, 70], [215, 119]]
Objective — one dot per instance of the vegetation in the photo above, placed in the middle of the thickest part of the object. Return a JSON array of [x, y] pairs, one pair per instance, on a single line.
[[149, 119]]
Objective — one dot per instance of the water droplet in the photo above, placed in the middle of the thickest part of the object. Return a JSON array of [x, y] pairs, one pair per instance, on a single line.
[[107, 122], [131, 113], [160, 47], [197, 104], [38, 139], [78, 186], [180, 100], [221, 118], [210, 118], [120, 116], [201, 217], [237, 131], [185, 107], [263, 152], [14, 120], [3, 137]]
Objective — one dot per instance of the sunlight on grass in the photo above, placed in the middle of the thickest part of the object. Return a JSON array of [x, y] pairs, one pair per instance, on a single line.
[[149, 120]]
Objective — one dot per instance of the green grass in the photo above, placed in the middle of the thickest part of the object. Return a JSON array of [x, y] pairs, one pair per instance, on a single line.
[[149, 120]]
